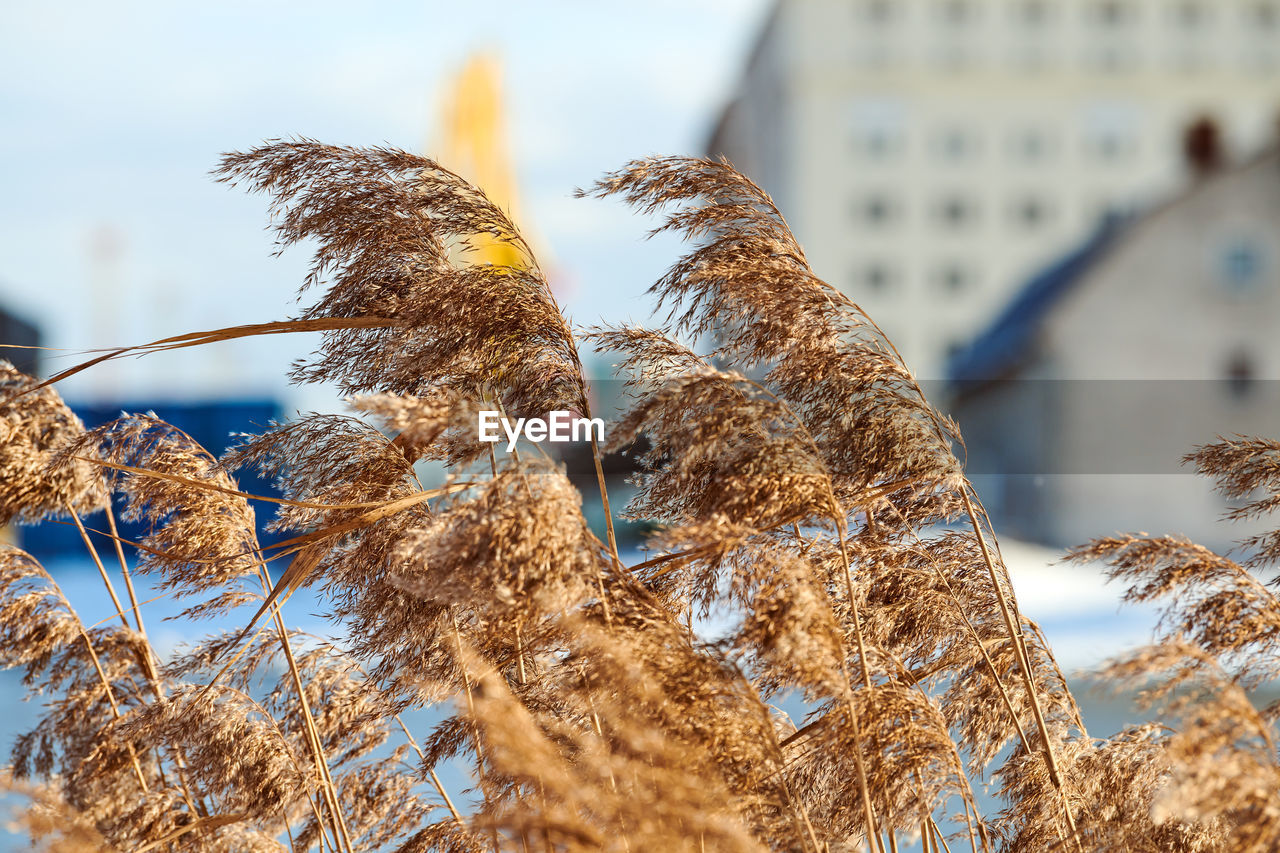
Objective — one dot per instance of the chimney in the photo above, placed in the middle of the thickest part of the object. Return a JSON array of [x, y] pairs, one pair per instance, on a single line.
[[1202, 146]]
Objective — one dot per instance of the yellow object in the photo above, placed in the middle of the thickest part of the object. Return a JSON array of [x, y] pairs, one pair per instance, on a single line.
[[473, 144]]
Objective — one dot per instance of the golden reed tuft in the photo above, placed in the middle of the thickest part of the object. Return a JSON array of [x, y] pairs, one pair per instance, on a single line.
[[811, 492]]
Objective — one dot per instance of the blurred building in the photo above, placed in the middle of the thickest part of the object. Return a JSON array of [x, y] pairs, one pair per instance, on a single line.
[[19, 340], [931, 155], [1158, 333]]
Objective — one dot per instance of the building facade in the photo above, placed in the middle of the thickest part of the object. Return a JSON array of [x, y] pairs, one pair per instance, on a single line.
[[932, 154], [1157, 334]]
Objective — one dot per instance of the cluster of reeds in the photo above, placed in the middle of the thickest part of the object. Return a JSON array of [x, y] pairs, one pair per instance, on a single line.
[[812, 492]]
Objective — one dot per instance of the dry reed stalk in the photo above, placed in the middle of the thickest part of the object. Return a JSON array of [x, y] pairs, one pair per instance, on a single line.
[[146, 654], [313, 736], [1024, 661]]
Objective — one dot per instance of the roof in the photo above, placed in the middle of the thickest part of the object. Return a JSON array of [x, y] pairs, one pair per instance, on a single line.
[[1007, 342]]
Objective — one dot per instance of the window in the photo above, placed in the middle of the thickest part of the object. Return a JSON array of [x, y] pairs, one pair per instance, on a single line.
[[875, 210], [1240, 374], [1111, 14], [877, 144], [882, 144], [1110, 129], [1110, 146], [1030, 145], [956, 211], [1031, 212], [1240, 267], [956, 144], [954, 278], [876, 278], [877, 126], [955, 51], [1030, 49]]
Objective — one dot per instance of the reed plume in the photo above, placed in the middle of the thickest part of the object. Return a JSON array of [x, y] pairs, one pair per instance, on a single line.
[[34, 424]]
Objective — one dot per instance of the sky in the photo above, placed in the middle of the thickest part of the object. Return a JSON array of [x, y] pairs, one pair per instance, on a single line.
[[112, 231]]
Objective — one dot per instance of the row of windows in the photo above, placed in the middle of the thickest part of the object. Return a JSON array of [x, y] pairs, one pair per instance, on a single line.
[[1240, 269], [954, 211], [1103, 14], [883, 277], [1095, 58], [961, 146]]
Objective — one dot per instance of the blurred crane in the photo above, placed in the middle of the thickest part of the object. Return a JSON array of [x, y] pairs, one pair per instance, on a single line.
[[473, 143]]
